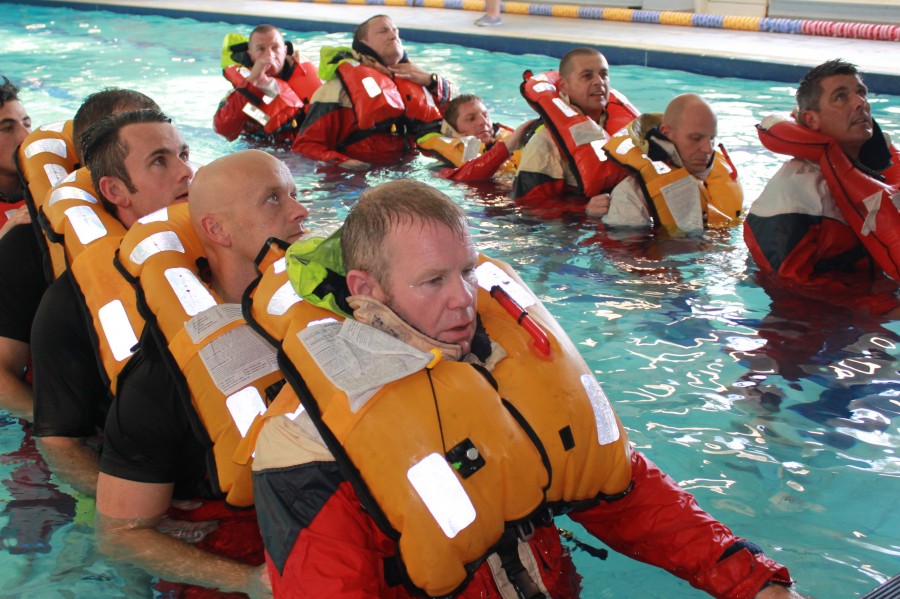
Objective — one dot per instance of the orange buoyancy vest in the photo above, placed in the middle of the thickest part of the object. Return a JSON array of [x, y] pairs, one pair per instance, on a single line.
[[273, 112], [225, 369], [444, 456], [90, 235], [870, 206], [579, 138], [718, 201], [45, 158]]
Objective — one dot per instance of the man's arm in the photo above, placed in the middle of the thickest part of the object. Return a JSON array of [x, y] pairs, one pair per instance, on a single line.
[[15, 393], [661, 524], [541, 175], [230, 117], [74, 460], [627, 206], [329, 121], [127, 514]]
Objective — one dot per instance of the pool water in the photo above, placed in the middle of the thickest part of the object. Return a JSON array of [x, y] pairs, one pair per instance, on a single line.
[[781, 420]]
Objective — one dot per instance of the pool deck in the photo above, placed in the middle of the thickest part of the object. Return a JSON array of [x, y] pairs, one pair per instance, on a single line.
[[709, 51]]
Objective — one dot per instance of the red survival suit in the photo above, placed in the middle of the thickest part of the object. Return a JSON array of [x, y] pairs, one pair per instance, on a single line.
[[250, 110], [578, 140], [838, 245], [364, 114]]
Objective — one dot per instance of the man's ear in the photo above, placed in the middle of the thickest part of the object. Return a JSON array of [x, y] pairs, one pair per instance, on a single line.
[[359, 282], [214, 231], [114, 190], [810, 119], [562, 87], [665, 130]]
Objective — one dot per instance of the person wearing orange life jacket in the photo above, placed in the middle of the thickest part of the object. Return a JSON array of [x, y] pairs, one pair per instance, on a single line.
[[375, 102], [412, 476], [476, 147], [15, 125], [25, 260], [272, 86], [825, 225], [665, 154], [152, 451], [564, 159], [138, 163]]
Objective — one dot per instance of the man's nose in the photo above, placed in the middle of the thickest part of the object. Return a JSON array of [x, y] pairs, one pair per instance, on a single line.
[[299, 212], [21, 132], [462, 293]]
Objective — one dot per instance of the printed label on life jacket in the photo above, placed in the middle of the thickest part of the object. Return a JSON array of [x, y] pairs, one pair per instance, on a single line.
[[489, 274], [238, 358], [442, 493], [359, 359], [605, 419], [209, 321], [587, 131], [683, 199]]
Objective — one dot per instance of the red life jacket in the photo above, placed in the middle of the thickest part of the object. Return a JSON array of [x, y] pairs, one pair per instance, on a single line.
[[578, 137], [293, 95], [868, 204]]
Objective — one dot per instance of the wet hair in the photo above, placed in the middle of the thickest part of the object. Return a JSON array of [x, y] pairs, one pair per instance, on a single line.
[[360, 33], [105, 152], [8, 91], [383, 207], [452, 111], [102, 103], [810, 90], [565, 64]]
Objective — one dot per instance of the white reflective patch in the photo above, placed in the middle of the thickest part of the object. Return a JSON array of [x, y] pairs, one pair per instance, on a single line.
[[429, 99], [625, 147], [117, 329], [315, 323], [10, 212], [70, 177], [895, 200], [544, 86], [564, 108], [873, 205], [157, 216], [245, 406], [256, 114], [56, 126], [371, 87], [443, 494], [70, 193], [46, 145], [489, 274], [190, 291], [87, 225], [282, 300], [604, 418], [280, 266], [55, 173], [661, 168], [163, 241], [597, 146]]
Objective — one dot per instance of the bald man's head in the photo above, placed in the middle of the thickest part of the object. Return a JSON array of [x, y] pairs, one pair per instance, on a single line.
[[239, 201], [690, 123]]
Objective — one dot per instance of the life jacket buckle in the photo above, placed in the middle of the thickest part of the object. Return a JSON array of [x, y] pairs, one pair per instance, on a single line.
[[525, 530]]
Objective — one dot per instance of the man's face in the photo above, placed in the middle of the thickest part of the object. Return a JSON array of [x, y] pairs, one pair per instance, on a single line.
[[268, 46], [384, 38], [15, 125], [157, 164], [587, 84], [268, 208], [694, 137], [844, 112], [473, 119], [431, 280]]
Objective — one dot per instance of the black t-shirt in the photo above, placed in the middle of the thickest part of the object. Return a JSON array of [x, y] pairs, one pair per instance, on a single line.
[[70, 395], [148, 436], [22, 282]]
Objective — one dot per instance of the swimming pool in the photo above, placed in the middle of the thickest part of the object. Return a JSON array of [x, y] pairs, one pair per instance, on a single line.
[[781, 421]]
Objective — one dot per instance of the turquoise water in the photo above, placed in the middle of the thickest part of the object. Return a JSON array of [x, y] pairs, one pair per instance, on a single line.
[[782, 421]]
